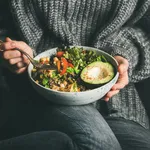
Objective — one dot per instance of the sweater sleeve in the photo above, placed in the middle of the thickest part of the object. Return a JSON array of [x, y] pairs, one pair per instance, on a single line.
[[132, 43]]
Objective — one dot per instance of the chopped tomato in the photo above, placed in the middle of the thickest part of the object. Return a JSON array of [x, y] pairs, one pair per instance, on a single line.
[[70, 65], [60, 54], [64, 65]]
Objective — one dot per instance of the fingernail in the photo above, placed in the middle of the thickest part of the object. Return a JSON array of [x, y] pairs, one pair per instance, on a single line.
[[106, 99], [13, 45]]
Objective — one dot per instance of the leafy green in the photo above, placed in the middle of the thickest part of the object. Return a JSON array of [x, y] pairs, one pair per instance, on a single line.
[[80, 58], [45, 81]]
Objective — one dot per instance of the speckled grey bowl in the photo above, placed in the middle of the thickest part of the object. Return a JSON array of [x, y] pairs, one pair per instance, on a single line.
[[74, 98]]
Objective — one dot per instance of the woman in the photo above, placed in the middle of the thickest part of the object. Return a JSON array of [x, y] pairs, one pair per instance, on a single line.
[[118, 27]]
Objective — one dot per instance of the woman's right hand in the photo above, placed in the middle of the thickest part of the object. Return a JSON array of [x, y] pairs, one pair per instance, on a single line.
[[13, 59]]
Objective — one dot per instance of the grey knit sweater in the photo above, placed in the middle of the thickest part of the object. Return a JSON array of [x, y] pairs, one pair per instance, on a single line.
[[116, 26]]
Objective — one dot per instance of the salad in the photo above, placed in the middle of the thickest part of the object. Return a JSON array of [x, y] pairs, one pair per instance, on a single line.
[[68, 63]]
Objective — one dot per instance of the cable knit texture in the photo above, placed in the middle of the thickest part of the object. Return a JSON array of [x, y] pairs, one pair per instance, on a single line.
[[118, 27]]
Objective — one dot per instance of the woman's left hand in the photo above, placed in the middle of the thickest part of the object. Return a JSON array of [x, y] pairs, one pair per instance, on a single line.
[[123, 77]]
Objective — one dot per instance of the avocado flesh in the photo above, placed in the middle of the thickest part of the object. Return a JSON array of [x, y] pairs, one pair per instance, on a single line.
[[97, 73]]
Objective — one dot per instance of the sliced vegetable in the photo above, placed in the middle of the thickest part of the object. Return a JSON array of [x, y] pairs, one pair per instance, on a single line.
[[45, 81], [58, 65], [70, 65], [74, 87], [64, 65], [60, 54]]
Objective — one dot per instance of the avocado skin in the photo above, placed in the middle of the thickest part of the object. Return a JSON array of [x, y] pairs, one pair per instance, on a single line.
[[104, 70]]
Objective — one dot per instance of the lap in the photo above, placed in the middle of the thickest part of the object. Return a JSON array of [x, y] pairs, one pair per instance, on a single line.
[[83, 124], [86, 128]]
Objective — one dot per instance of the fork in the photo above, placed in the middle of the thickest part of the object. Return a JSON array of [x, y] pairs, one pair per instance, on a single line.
[[34, 62]]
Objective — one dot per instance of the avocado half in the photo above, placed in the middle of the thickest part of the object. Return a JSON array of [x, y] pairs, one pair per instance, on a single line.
[[97, 73]]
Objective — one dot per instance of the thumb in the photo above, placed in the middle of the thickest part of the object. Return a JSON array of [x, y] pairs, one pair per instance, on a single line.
[[8, 39], [122, 68], [123, 64]]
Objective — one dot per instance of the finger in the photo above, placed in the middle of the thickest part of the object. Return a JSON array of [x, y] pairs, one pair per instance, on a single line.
[[8, 45], [123, 64], [21, 70], [122, 68], [15, 60], [11, 54], [8, 39], [121, 60], [20, 65], [122, 82], [2, 45], [110, 94], [16, 69], [118, 86], [11, 44]]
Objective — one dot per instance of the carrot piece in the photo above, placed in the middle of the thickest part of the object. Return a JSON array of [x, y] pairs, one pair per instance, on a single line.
[[58, 65]]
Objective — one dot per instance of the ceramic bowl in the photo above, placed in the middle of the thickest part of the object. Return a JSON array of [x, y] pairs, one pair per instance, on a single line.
[[74, 98]]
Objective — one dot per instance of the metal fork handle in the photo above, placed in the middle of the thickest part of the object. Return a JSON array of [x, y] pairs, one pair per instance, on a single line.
[[26, 54]]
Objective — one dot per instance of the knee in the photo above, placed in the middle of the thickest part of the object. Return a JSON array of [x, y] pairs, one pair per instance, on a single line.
[[85, 127], [92, 137], [99, 141]]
